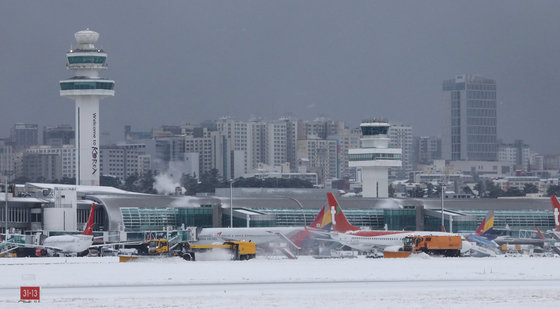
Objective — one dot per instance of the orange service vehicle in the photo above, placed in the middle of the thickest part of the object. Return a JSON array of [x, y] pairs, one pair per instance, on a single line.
[[434, 245]]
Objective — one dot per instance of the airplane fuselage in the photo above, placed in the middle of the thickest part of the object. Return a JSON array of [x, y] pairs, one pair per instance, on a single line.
[[378, 240], [68, 243], [258, 235]]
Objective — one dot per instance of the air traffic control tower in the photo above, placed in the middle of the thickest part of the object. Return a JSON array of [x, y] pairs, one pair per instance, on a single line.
[[87, 88], [374, 158]]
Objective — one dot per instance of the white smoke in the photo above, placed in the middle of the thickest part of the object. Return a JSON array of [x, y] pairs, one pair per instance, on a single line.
[[390, 203], [186, 201], [165, 183]]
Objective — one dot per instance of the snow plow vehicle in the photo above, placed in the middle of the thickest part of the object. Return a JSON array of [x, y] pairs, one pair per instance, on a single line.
[[433, 245], [240, 250]]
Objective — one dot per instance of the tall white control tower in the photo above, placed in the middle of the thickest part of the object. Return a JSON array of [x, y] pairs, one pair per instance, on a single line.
[[374, 158], [87, 88]]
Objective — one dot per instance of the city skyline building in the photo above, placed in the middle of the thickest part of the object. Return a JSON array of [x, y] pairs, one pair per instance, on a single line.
[[470, 118], [401, 137], [24, 135], [58, 135], [426, 149], [87, 88]]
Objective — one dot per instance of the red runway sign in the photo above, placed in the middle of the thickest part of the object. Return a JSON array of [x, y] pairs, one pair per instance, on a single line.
[[29, 293]]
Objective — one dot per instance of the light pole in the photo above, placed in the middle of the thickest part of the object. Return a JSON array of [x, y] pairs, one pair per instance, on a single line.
[[231, 203], [300, 206], [6, 199], [7, 173], [442, 217]]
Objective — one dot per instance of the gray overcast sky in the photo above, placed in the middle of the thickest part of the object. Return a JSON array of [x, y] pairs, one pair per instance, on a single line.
[[176, 61]]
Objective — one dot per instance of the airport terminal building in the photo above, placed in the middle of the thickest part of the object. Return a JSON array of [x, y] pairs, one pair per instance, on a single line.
[[120, 215]]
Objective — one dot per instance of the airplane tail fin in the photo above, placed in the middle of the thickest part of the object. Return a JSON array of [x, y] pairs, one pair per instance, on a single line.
[[89, 226], [317, 223], [486, 227], [339, 221], [556, 211]]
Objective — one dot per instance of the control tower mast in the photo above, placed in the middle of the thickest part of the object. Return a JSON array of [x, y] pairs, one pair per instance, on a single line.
[[87, 88], [374, 158]]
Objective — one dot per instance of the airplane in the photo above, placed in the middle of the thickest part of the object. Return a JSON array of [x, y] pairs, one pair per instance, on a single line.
[[68, 244], [371, 240], [541, 241], [556, 212], [298, 237]]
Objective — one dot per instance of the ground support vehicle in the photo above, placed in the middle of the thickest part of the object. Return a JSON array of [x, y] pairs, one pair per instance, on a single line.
[[434, 245], [240, 250]]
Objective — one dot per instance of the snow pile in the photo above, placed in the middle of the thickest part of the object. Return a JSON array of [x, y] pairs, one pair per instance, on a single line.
[[303, 283]]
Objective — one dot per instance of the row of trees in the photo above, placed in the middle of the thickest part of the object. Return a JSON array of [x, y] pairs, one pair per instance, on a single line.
[[206, 183], [482, 189], [210, 181]]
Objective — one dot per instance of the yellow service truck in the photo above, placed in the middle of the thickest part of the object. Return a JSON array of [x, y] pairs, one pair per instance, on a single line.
[[241, 250], [158, 246]]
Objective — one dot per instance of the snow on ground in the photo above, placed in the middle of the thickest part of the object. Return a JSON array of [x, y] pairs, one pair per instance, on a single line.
[[279, 283]]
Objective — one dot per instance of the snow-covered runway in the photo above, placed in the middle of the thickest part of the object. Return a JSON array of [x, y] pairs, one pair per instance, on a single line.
[[303, 283]]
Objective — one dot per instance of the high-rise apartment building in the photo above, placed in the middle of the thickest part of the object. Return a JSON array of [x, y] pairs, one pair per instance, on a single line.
[[66, 155], [426, 149], [6, 159], [347, 139], [470, 119], [122, 160], [400, 136], [319, 156], [517, 153], [264, 142]]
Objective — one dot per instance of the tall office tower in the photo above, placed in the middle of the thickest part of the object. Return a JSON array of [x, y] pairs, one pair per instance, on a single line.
[[87, 88], [375, 158], [470, 119], [401, 137], [23, 135]]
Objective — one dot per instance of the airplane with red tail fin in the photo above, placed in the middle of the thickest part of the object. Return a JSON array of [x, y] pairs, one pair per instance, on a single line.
[[70, 243], [369, 240]]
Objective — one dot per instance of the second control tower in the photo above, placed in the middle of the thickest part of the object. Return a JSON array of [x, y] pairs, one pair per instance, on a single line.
[[87, 88], [374, 158]]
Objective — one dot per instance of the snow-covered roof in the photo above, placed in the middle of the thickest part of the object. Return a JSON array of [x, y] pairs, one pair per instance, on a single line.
[[80, 188]]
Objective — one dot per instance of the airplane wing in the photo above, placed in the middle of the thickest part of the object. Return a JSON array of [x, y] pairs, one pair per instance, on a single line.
[[139, 242], [20, 245]]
